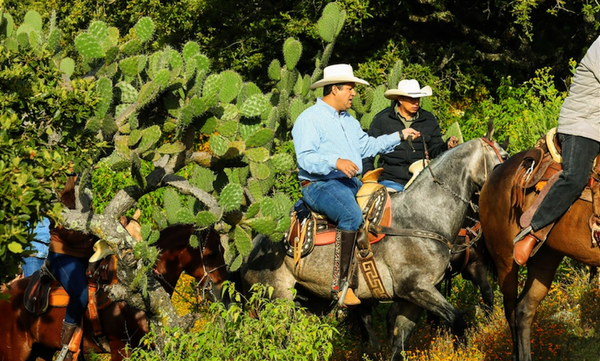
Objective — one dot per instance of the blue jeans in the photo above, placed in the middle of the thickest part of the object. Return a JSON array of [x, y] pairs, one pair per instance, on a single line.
[[391, 184], [336, 199], [70, 272], [578, 158], [31, 264]]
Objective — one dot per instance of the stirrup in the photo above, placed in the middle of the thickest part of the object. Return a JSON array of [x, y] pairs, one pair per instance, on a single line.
[[63, 353], [522, 234]]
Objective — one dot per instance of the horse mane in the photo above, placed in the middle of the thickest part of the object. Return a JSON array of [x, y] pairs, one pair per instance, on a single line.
[[434, 164]]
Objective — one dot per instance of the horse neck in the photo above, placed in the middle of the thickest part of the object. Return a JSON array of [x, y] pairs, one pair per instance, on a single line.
[[174, 247], [436, 207]]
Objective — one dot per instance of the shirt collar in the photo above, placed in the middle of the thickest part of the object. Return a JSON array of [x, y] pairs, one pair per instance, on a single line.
[[400, 115], [331, 109]]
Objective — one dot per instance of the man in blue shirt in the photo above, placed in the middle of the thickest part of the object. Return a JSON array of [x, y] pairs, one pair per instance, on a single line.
[[330, 146]]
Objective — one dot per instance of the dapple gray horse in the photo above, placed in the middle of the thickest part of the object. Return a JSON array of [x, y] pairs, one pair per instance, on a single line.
[[410, 266]]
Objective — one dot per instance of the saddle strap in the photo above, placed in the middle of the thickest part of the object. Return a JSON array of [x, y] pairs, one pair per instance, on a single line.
[[337, 255], [93, 311], [372, 277], [525, 219], [392, 231]]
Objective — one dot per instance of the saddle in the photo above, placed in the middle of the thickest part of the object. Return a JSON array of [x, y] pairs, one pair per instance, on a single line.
[[45, 291], [540, 168], [309, 228]]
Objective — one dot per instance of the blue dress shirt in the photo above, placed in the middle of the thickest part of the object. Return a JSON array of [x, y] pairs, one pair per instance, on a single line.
[[322, 136]]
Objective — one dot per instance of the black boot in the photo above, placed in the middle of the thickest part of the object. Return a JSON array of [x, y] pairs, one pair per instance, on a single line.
[[348, 239], [68, 329]]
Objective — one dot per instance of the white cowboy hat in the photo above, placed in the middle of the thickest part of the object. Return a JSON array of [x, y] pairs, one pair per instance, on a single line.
[[409, 88], [336, 74]]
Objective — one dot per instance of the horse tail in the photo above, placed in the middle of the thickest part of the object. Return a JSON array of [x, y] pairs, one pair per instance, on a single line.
[[487, 259]]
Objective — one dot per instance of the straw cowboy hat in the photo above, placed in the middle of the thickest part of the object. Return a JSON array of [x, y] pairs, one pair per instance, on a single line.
[[336, 74], [409, 88]]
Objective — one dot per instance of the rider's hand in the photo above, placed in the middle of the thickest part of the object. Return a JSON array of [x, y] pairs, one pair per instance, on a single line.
[[347, 167], [452, 142], [410, 132]]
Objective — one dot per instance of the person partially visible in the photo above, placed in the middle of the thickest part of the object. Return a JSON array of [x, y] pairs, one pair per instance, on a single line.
[[40, 244], [68, 257], [579, 136], [330, 145], [405, 112]]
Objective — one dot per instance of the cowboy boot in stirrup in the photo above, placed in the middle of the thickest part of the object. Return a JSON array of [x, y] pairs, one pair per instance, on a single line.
[[68, 329], [523, 245], [348, 239]]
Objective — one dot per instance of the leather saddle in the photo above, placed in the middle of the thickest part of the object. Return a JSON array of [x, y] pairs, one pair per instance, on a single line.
[[309, 229], [540, 168], [44, 290]]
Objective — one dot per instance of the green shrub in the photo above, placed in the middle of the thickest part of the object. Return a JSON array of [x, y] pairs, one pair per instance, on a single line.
[[260, 329], [524, 113]]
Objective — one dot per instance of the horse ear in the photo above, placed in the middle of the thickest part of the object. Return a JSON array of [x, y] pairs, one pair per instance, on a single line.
[[504, 144], [490, 131], [137, 214], [67, 196]]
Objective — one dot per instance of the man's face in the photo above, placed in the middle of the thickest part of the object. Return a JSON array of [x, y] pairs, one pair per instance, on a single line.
[[344, 95], [409, 105]]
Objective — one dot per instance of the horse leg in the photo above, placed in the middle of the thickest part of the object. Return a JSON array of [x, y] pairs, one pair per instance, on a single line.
[[402, 318], [428, 297], [39, 352], [540, 274], [476, 272], [369, 338]]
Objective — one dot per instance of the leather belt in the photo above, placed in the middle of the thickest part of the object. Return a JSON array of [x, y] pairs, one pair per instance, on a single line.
[[304, 183]]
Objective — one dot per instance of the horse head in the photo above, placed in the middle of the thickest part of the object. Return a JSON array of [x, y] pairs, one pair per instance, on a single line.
[[204, 262]]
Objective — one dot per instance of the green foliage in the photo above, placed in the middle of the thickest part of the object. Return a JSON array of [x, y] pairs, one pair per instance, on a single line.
[[524, 113], [38, 113], [260, 330]]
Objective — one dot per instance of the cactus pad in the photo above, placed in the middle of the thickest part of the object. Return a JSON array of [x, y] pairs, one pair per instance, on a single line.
[[171, 148], [230, 87], [292, 50], [283, 162], [231, 197], [264, 225], [254, 106], [144, 29], [260, 170], [205, 219], [257, 154], [243, 241], [260, 138]]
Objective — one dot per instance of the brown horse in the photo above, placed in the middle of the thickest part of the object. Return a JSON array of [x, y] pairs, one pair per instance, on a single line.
[[570, 237], [205, 263], [29, 337]]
